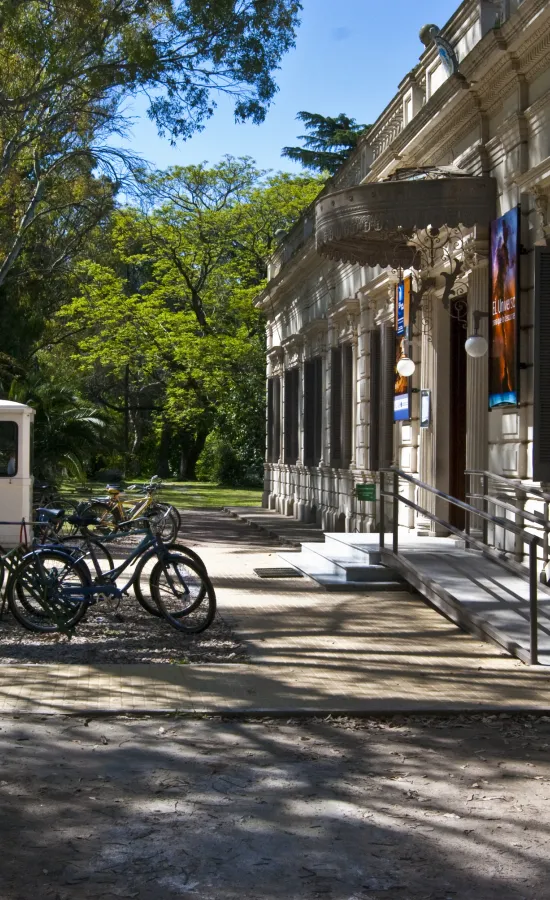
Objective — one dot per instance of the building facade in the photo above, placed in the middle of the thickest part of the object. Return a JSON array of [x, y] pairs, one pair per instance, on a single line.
[[415, 215]]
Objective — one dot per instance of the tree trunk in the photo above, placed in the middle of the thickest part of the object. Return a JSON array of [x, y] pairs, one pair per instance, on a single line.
[[163, 464], [191, 447]]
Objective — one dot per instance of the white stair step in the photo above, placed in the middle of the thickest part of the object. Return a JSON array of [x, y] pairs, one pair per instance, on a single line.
[[371, 541], [367, 554], [354, 566], [335, 577]]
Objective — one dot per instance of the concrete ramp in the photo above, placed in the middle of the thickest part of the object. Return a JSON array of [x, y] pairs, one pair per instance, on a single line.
[[478, 594]]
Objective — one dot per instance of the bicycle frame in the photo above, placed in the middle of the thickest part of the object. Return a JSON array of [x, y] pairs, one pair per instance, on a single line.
[[128, 512], [105, 581]]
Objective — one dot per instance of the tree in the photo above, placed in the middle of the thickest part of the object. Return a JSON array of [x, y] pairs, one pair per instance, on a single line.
[[66, 69], [168, 332], [66, 431], [328, 143]]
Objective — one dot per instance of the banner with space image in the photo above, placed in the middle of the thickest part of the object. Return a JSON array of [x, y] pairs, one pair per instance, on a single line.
[[504, 311], [402, 389]]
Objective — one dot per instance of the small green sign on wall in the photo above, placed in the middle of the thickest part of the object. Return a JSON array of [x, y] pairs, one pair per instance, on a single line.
[[365, 492]]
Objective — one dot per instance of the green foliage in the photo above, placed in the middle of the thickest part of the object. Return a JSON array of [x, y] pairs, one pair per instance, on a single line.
[[224, 463], [328, 142], [167, 333], [66, 69], [66, 430]]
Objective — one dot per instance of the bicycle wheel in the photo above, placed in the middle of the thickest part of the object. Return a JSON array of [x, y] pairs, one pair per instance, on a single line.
[[146, 601], [107, 517], [163, 522], [176, 586], [85, 548], [64, 528], [173, 512], [44, 591]]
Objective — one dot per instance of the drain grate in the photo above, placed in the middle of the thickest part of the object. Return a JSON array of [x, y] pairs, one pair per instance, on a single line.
[[280, 572]]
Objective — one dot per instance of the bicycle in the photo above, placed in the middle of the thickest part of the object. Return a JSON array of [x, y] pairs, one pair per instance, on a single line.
[[46, 533], [48, 529], [47, 496], [111, 511], [48, 590]]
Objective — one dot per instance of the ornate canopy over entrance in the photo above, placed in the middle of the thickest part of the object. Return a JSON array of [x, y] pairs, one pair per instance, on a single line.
[[370, 224]]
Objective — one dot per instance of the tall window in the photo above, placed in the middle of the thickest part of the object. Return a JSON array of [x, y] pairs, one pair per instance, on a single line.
[[273, 419], [292, 387], [8, 449], [313, 411], [341, 403]]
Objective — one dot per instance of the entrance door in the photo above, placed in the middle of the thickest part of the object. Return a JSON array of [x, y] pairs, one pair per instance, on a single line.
[[457, 410]]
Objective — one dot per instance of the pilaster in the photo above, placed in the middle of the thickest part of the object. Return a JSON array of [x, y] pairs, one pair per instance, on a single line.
[[428, 381], [434, 445], [477, 424]]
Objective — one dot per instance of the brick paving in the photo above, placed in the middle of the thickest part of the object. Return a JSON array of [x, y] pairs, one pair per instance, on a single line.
[[310, 651]]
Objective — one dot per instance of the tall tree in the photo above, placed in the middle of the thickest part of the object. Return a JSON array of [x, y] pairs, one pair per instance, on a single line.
[[171, 322], [328, 142], [66, 69]]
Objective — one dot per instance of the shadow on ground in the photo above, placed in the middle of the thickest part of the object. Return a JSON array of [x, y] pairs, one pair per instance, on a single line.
[[410, 809]]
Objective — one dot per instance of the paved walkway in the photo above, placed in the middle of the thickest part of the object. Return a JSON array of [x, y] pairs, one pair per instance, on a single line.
[[283, 528], [310, 651]]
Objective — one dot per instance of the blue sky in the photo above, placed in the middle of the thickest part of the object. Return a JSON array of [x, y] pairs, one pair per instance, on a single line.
[[350, 55]]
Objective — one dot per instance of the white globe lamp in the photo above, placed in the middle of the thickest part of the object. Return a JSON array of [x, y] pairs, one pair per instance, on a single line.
[[476, 346], [405, 366]]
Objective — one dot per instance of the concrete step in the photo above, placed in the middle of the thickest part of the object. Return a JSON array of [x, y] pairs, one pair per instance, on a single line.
[[366, 554], [356, 565], [335, 576], [370, 541]]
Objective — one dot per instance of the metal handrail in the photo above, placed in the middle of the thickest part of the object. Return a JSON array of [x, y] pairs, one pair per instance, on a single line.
[[462, 505], [511, 482], [518, 487], [531, 517], [532, 540]]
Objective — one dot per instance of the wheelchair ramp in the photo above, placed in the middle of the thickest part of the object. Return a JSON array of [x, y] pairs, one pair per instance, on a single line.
[[478, 594]]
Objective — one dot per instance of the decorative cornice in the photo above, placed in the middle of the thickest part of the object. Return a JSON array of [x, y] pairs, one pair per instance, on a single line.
[[293, 347], [348, 307], [315, 334], [536, 177], [371, 223]]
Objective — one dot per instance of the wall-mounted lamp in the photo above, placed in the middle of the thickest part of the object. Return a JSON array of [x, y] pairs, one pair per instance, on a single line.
[[405, 365], [476, 345]]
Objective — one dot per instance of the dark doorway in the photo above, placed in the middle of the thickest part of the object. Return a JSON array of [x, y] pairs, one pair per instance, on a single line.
[[457, 411]]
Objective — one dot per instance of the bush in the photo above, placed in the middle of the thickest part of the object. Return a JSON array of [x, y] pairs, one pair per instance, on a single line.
[[223, 464]]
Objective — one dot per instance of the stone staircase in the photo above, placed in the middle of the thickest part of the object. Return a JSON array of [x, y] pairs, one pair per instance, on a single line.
[[346, 562]]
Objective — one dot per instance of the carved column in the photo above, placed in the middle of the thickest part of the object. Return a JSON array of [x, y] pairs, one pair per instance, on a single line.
[[355, 397], [428, 381], [434, 441], [477, 374], [477, 387]]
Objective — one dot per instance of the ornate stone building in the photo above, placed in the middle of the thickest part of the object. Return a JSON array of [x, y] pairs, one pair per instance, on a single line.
[[465, 140]]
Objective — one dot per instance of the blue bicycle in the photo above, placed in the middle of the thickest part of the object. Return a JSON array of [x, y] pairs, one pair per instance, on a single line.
[[52, 587]]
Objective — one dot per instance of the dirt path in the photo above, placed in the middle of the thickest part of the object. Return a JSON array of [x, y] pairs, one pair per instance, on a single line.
[[407, 809]]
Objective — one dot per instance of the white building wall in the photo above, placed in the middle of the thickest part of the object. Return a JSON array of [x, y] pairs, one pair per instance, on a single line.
[[494, 119]]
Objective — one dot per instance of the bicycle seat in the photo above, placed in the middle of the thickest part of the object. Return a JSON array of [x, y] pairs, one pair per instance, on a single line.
[[44, 514], [83, 520], [113, 489]]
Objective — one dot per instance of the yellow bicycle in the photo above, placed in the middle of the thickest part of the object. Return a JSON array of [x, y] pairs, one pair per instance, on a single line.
[[113, 511]]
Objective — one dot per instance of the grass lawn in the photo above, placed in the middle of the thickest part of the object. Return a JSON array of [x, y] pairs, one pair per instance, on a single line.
[[183, 494]]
